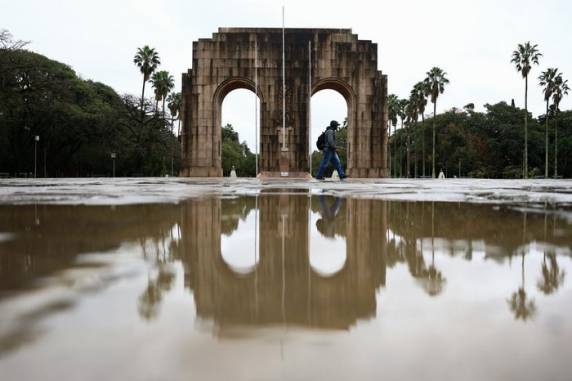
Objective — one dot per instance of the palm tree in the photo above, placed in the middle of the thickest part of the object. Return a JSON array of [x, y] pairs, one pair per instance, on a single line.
[[147, 59], [401, 107], [546, 79], [523, 57], [174, 103], [156, 82], [561, 89], [163, 83], [435, 85], [412, 114], [418, 92], [392, 105]]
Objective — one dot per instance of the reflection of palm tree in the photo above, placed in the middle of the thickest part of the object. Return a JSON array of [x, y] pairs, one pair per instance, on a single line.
[[434, 279], [431, 279], [151, 298], [552, 276], [522, 308]]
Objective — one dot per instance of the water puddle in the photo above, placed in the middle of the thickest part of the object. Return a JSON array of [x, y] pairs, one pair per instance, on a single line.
[[287, 286]]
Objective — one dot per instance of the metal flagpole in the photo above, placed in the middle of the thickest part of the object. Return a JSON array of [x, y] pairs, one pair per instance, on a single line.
[[310, 102], [283, 87], [256, 259], [256, 102]]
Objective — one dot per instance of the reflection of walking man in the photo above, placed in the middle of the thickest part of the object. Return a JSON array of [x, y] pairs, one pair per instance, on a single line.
[[327, 224], [330, 153]]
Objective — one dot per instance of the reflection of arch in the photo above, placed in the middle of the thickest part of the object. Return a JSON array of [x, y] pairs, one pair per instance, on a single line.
[[332, 270], [284, 288], [225, 88], [327, 251], [238, 259]]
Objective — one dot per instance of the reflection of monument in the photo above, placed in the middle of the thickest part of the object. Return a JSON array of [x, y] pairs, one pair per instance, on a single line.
[[283, 288]]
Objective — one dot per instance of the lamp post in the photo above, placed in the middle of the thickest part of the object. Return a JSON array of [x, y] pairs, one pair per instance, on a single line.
[[113, 156], [36, 140]]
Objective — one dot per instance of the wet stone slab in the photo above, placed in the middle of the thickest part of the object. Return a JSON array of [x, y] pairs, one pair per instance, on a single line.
[[148, 190]]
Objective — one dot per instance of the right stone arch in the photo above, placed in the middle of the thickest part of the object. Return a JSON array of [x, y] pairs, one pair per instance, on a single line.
[[343, 63]]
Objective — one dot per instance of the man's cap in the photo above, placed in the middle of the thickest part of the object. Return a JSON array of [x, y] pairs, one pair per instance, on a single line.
[[334, 123]]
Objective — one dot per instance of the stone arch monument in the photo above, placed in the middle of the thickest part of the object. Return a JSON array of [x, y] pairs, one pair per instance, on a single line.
[[242, 57]]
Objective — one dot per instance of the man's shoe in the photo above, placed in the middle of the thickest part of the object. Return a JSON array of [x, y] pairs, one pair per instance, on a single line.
[[320, 178], [343, 177]]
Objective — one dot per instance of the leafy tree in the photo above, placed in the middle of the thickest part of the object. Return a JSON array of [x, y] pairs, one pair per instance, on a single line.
[[147, 59], [79, 123], [236, 154], [469, 107], [488, 144], [7, 41], [434, 85], [524, 57]]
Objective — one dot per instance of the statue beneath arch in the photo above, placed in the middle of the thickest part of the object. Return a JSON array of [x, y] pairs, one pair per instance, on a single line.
[[240, 57]]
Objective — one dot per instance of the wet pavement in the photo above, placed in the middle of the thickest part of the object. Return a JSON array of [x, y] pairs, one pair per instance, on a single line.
[[113, 191], [258, 281]]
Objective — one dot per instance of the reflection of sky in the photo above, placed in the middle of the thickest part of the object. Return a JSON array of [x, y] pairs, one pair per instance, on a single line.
[[327, 255], [238, 249]]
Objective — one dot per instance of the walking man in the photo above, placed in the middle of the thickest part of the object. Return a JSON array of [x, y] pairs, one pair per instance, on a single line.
[[330, 154]]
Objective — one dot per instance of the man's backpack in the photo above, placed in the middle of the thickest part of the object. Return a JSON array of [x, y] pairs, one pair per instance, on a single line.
[[321, 142]]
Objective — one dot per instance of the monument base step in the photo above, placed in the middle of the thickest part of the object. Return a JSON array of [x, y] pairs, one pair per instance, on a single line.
[[284, 175]]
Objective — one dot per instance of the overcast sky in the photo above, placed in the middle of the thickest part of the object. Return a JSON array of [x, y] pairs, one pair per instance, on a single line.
[[471, 40]]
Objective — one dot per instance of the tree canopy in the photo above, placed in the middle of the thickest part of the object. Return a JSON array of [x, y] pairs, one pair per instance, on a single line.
[[79, 123], [487, 144]]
